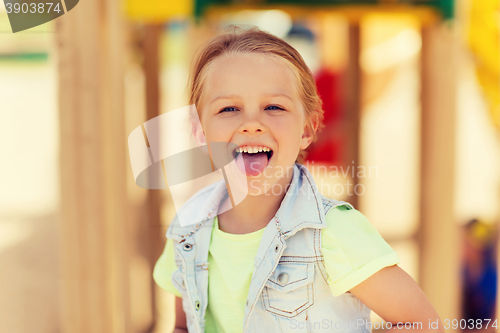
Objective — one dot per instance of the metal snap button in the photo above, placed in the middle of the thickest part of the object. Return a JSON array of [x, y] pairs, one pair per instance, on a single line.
[[247, 303], [183, 284], [197, 305], [276, 248], [187, 247], [283, 278]]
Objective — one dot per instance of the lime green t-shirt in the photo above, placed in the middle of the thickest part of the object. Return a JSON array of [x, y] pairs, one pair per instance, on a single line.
[[353, 250]]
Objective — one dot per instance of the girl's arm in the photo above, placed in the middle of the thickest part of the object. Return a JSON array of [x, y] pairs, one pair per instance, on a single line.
[[180, 317], [397, 298]]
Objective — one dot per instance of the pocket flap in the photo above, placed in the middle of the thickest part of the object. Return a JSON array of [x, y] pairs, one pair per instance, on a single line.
[[290, 276]]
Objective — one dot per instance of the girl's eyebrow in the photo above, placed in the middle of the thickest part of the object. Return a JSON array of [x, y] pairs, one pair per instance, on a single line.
[[224, 97], [236, 96]]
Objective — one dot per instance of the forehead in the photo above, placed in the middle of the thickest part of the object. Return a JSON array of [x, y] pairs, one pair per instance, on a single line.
[[249, 74]]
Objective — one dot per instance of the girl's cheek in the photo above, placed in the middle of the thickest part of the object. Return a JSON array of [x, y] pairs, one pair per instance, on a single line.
[[217, 133]]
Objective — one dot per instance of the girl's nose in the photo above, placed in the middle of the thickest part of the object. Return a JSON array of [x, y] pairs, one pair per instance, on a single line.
[[251, 125]]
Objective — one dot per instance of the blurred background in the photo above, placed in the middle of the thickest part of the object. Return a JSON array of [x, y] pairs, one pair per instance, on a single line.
[[411, 93]]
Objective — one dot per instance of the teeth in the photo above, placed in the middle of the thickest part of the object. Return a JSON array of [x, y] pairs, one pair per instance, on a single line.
[[252, 150]]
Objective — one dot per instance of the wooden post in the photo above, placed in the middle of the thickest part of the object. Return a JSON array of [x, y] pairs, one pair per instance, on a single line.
[[353, 104], [439, 231], [94, 281], [151, 58]]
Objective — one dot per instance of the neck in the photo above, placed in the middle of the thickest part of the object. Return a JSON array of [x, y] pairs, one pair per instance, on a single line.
[[254, 212]]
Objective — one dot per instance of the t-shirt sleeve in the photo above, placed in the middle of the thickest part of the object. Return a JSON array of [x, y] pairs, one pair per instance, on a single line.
[[164, 267], [353, 249]]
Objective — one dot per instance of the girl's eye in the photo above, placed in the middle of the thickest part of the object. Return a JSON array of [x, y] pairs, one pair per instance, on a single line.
[[275, 107], [232, 109], [228, 109]]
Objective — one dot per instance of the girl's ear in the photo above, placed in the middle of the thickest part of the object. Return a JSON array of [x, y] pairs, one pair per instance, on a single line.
[[199, 136], [307, 136]]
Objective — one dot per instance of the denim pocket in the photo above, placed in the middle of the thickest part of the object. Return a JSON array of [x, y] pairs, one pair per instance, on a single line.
[[289, 290]]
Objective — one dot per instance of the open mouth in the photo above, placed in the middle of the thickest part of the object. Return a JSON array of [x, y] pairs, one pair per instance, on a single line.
[[253, 151], [252, 160]]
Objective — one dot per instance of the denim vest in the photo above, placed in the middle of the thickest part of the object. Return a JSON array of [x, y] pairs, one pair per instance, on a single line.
[[288, 290]]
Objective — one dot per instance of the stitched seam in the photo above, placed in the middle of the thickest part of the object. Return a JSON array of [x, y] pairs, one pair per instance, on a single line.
[[279, 323], [283, 312], [265, 254], [313, 297], [322, 266], [278, 225], [265, 297], [203, 266], [307, 326], [308, 303], [188, 293], [196, 228], [258, 294], [296, 310], [310, 184], [298, 225]]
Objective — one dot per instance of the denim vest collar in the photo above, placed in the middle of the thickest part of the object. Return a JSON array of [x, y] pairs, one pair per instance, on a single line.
[[301, 207]]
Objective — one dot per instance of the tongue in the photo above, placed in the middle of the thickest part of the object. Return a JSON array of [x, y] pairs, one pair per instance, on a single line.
[[252, 164]]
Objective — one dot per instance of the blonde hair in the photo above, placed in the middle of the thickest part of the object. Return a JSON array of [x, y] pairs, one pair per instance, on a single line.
[[237, 40]]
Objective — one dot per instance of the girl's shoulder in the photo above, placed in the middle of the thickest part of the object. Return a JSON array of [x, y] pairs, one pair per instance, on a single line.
[[353, 249], [344, 222], [351, 235]]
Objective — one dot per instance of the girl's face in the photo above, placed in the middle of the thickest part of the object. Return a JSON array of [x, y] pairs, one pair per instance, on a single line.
[[252, 101]]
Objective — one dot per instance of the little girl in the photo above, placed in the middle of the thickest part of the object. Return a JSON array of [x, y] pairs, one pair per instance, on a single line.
[[285, 259]]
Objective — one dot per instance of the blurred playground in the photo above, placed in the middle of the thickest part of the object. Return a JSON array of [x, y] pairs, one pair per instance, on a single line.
[[410, 89]]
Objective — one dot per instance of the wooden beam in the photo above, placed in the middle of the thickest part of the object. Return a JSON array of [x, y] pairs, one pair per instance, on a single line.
[[151, 65], [94, 281], [353, 109], [439, 231]]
